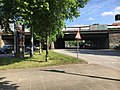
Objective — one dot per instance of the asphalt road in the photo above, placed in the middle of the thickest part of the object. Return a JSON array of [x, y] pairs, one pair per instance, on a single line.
[[109, 58]]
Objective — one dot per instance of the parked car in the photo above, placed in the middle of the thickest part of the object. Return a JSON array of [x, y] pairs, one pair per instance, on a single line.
[[7, 49]]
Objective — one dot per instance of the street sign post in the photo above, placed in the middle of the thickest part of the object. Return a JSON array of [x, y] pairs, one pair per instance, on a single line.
[[78, 37]]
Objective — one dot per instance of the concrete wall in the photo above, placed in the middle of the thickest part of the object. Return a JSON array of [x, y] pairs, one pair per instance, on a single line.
[[114, 40]]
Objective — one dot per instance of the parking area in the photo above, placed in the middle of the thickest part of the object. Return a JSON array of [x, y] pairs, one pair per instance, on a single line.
[[64, 77]]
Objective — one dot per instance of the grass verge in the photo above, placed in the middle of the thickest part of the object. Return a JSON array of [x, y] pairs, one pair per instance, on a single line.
[[38, 61]]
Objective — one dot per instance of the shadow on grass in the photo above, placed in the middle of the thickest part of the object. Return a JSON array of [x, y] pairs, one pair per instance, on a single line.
[[6, 85], [91, 76], [8, 60], [35, 61]]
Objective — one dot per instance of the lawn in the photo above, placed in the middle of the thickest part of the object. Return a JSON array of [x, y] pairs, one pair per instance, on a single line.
[[37, 61]]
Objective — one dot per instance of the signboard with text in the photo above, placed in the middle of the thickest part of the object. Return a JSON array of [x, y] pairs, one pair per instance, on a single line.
[[98, 27]]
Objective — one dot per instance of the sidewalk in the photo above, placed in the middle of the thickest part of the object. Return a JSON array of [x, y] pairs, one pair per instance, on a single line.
[[64, 77]]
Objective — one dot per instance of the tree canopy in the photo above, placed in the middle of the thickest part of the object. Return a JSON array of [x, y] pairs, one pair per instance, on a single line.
[[45, 16], [49, 15], [7, 13]]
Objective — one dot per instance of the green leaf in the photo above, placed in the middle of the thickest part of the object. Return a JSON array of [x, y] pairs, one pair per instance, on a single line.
[[26, 3], [31, 12]]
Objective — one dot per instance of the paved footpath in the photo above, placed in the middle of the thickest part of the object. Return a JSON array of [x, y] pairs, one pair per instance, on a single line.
[[67, 77]]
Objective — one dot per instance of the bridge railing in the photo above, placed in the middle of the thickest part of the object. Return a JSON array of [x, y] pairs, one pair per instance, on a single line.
[[92, 28]]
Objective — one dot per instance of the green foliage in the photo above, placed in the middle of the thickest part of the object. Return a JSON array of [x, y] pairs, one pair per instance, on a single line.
[[71, 43], [47, 16], [7, 13], [8, 8]]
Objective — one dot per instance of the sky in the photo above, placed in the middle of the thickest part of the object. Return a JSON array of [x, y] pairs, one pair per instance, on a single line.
[[97, 11]]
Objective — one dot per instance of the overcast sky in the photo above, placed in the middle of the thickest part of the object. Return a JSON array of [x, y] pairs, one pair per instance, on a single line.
[[97, 11]]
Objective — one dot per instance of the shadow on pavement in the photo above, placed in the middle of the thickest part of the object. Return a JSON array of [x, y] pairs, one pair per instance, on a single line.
[[91, 76], [96, 52], [5, 85]]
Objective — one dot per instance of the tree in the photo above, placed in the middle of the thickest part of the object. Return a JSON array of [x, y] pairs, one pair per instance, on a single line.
[[54, 15], [7, 13], [28, 10], [47, 17]]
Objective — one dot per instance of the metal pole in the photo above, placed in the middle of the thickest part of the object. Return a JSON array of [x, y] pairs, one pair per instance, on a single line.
[[77, 48], [78, 37]]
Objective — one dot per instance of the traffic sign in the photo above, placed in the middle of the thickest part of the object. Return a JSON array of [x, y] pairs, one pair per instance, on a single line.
[[78, 35]]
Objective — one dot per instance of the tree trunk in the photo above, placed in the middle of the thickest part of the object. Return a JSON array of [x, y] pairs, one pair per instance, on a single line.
[[47, 47], [31, 42], [40, 47]]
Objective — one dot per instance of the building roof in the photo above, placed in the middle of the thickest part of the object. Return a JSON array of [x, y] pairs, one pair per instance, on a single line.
[[116, 23]]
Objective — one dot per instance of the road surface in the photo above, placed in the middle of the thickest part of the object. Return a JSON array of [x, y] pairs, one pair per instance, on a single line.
[[109, 58]]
